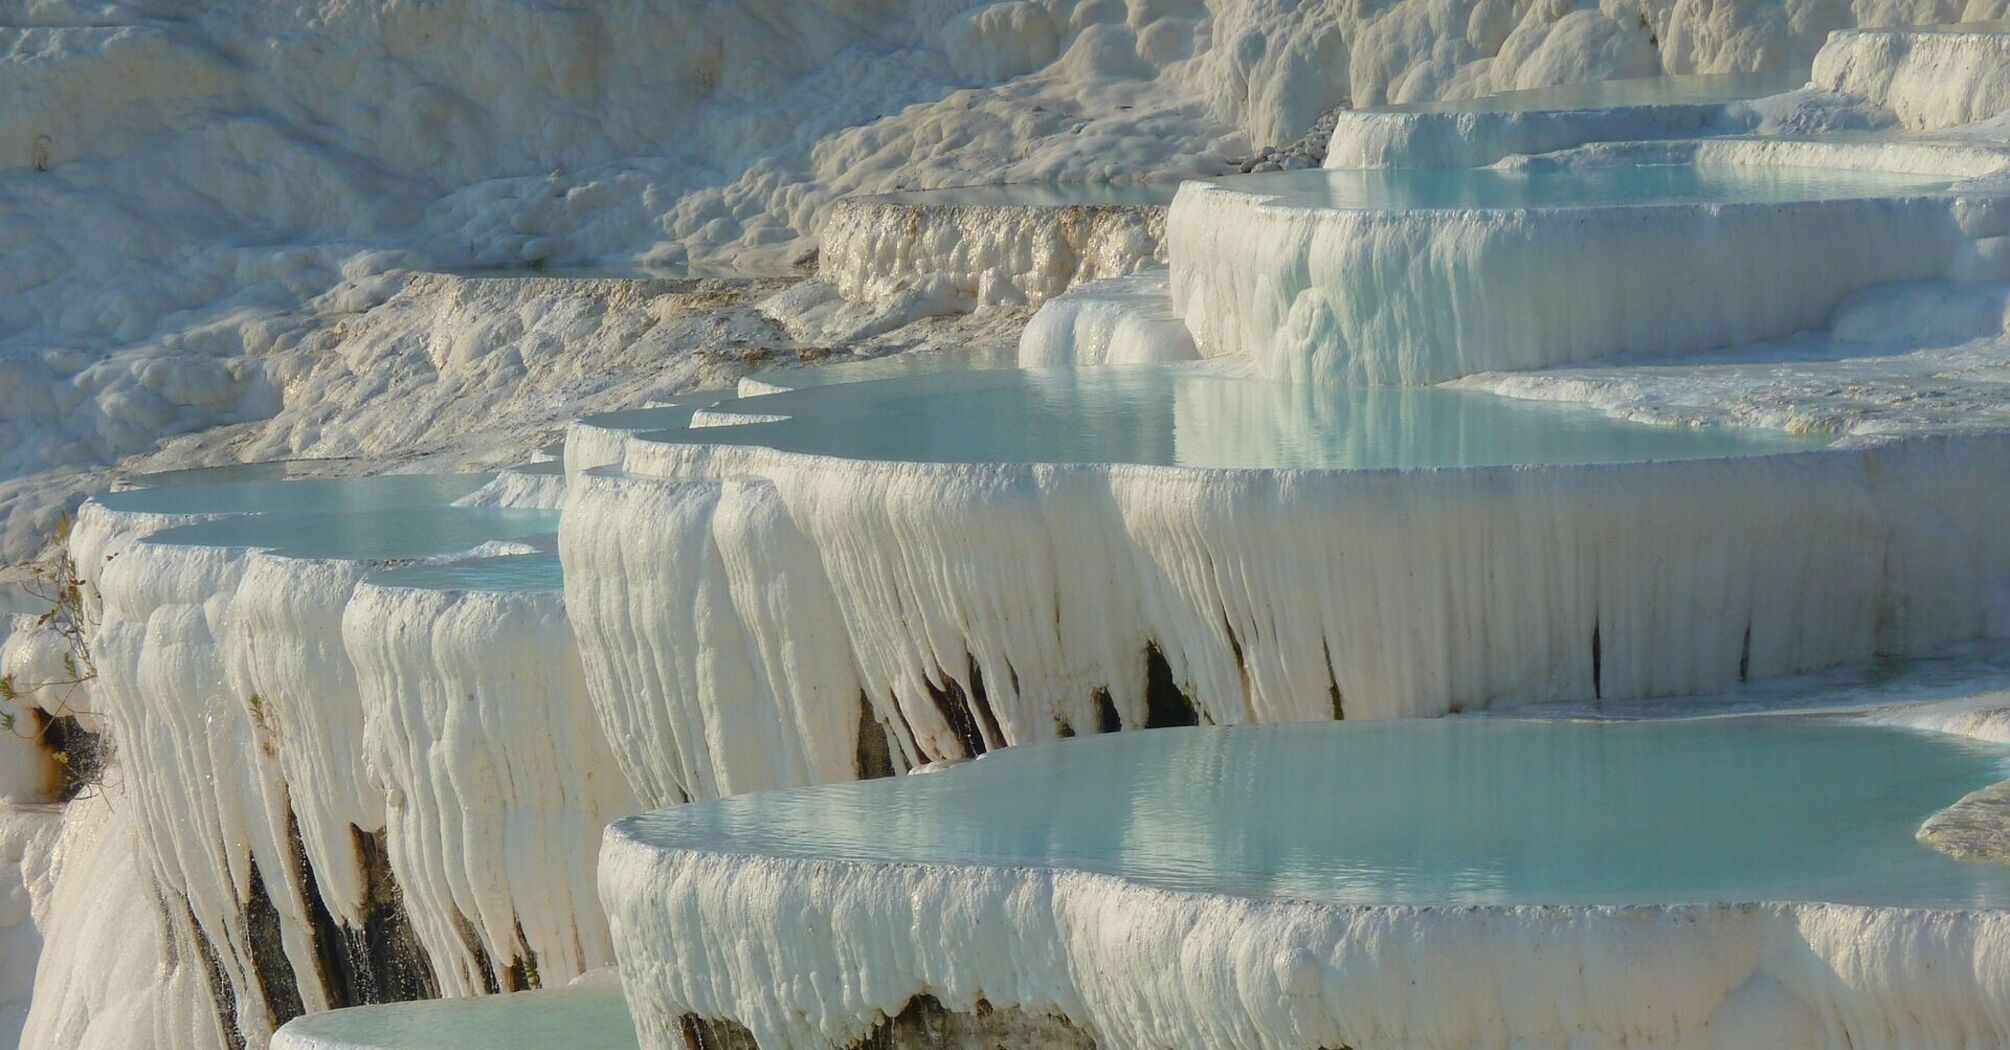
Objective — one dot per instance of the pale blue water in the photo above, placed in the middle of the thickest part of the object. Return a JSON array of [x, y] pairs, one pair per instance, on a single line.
[[516, 572], [895, 366], [1443, 811], [1439, 189], [272, 471], [672, 413], [306, 495], [588, 1016], [420, 531], [1197, 419], [1040, 195], [1700, 89]]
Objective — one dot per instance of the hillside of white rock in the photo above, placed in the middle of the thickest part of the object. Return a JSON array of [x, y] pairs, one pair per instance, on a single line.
[[211, 214], [429, 236]]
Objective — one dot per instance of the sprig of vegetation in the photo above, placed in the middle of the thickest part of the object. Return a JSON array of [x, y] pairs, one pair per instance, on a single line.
[[57, 583]]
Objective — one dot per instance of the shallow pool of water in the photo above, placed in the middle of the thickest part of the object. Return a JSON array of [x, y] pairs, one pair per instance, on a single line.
[[1700, 89], [233, 495], [1448, 811], [1451, 189], [894, 366], [423, 531], [668, 414], [589, 1016], [1196, 418]]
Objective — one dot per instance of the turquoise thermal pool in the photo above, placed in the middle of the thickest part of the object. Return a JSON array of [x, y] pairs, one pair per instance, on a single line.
[[233, 495], [1461, 811], [515, 572], [1702, 89], [895, 366], [1615, 185], [588, 1016], [672, 413], [1192, 418], [405, 532], [272, 471]]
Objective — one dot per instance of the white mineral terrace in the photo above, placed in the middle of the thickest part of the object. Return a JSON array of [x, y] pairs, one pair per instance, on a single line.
[[1642, 410], [1541, 557], [1447, 884], [278, 707], [1119, 321], [988, 245], [1929, 77], [1471, 133], [1420, 276]]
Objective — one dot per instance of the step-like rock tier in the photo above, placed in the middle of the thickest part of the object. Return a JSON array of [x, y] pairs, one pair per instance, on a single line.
[[1406, 277], [1039, 601], [951, 249], [1443, 885], [1929, 77], [409, 778], [1119, 321], [1476, 132]]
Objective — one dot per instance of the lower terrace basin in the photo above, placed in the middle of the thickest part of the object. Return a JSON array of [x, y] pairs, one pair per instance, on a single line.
[[987, 245], [1083, 551], [589, 1015], [1474, 132], [1421, 276], [269, 702], [1721, 883]]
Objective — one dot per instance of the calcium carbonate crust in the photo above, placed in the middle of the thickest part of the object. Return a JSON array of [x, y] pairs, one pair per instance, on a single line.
[[1119, 321], [274, 714], [1930, 78], [1476, 138], [1033, 596], [959, 256], [1354, 296], [706, 934]]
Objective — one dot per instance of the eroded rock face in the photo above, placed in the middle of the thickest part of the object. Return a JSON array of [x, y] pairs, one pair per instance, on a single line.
[[925, 1024], [1977, 828]]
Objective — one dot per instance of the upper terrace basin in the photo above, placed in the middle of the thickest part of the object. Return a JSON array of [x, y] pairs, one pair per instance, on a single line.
[[1419, 276], [1702, 884], [1466, 133], [1194, 417]]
